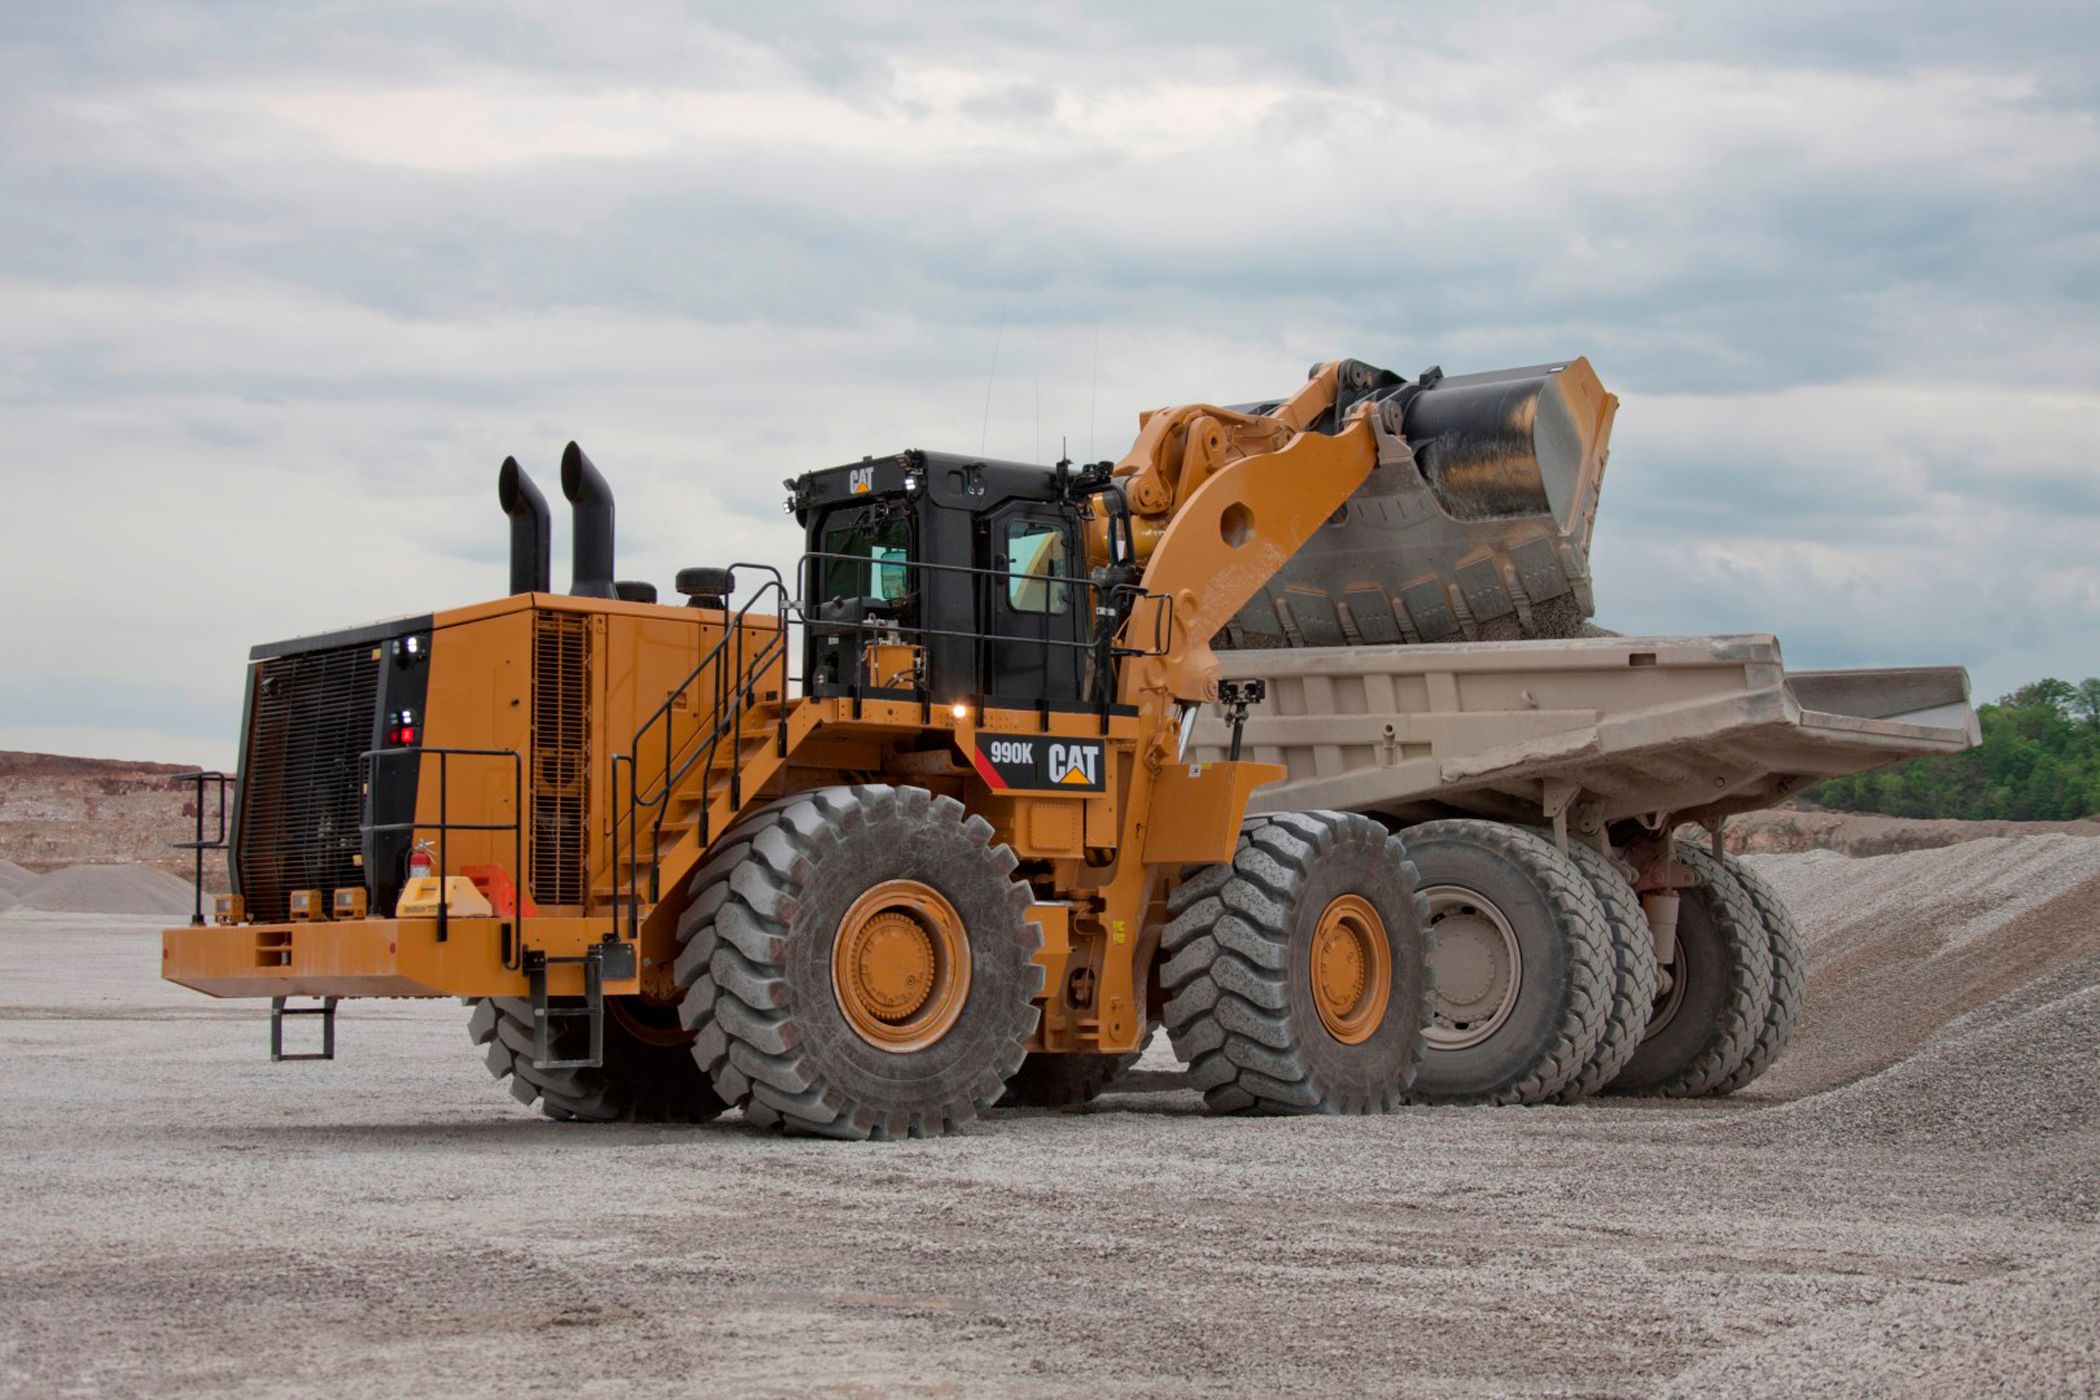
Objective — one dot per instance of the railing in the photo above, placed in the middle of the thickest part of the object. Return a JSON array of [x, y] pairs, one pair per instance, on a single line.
[[200, 845], [727, 679], [724, 685], [1109, 606], [368, 764]]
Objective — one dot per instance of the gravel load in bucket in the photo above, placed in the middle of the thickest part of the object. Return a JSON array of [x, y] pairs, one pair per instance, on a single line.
[[108, 889]]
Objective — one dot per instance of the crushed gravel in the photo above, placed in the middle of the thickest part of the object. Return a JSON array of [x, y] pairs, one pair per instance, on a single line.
[[108, 889], [14, 878], [190, 1217]]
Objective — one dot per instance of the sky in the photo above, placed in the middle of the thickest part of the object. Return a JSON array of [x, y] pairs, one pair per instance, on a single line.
[[284, 284]]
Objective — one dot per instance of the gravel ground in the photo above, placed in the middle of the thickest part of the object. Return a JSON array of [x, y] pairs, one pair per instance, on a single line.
[[185, 1215]]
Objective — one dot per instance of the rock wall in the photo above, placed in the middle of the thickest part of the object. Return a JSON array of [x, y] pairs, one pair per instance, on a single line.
[[57, 811]]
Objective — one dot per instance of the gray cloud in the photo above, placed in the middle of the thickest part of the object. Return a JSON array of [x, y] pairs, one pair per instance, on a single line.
[[281, 277]]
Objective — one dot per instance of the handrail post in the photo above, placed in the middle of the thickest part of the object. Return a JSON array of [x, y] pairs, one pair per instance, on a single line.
[[517, 845], [444, 863], [197, 913]]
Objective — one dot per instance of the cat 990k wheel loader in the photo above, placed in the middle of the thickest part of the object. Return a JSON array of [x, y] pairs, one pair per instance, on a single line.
[[857, 851], [959, 813]]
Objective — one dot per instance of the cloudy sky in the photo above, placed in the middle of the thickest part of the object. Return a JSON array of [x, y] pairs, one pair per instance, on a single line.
[[283, 285]]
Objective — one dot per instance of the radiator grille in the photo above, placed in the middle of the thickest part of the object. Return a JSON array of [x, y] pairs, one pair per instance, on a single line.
[[561, 759], [311, 716]]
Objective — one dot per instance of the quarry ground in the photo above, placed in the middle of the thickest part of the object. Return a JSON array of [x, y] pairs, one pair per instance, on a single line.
[[1907, 1203]]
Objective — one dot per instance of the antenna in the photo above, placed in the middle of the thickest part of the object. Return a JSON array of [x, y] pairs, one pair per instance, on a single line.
[[1038, 420], [985, 432]]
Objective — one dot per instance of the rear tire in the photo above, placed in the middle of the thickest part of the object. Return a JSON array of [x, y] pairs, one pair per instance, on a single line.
[[1065, 1081], [1524, 964], [648, 1074], [1712, 1001], [857, 964], [1633, 974], [1789, 969], [1261, 1027]]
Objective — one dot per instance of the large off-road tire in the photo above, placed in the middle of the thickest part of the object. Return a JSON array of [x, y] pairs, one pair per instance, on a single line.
[[648, 1074], [1789, 969], [1295, 974], [1063, 1081], [1633, 974], [1711, 1000], [857, 964], [1522, 952]]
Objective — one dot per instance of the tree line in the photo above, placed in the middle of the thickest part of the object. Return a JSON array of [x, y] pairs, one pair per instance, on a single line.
[[2039, 761]]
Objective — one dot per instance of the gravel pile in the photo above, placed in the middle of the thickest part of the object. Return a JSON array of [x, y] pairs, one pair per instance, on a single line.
[[108, 889], [14, 878], [1953, 1006], [1901, 948]]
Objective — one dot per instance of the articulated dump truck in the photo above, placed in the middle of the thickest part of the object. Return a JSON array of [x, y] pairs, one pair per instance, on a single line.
[[963, 811]]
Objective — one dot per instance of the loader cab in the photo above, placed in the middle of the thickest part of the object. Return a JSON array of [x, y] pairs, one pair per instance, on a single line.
[[948, 579]]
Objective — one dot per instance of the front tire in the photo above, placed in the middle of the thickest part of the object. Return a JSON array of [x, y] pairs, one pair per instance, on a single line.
[[857, 964], [1295, 973]]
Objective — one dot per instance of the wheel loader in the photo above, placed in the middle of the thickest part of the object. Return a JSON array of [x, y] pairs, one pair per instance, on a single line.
[[960, 812]]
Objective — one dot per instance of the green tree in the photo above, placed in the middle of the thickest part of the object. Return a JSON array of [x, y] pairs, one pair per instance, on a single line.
[[2039, 760], [2086, 705]]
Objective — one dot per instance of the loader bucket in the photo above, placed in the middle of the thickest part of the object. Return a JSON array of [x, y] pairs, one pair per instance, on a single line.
[[1479, 531]]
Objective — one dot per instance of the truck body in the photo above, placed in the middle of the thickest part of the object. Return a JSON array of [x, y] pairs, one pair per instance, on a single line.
[[1604, 730]]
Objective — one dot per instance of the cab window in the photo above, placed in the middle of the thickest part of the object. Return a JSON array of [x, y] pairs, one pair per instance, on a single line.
[[1033, 550], [879, 543]]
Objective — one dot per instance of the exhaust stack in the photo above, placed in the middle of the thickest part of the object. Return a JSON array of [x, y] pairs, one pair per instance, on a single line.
[[531, 529], [591, 510]]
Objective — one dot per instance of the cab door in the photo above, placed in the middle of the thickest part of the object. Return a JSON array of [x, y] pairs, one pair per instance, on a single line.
[[1037, 618]]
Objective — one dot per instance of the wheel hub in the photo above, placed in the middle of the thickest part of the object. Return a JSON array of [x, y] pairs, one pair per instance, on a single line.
[[894, 965], [1352, 969], [1479, 969], [900, 966]]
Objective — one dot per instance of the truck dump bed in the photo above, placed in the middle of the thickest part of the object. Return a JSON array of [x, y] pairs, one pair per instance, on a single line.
[[1698, 727]]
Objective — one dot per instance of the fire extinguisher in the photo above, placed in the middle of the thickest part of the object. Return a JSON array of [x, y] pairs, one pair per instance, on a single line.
[[419, 861]]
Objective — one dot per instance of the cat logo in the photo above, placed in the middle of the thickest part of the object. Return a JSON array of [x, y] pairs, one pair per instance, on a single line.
[[1075, 765], [860, 480]]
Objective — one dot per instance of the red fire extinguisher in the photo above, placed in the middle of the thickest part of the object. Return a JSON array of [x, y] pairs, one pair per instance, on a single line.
[[419, 861]]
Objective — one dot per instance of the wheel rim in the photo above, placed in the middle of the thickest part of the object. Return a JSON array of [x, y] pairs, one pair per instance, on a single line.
[[1479, 968], [1352, 969], [651, 1023], [900, 966], [1669, 995]]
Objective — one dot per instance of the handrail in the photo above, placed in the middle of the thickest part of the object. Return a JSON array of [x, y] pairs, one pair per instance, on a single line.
[[200, 845], [1110, 619], [731, 699], [367, 763], [730, 676]]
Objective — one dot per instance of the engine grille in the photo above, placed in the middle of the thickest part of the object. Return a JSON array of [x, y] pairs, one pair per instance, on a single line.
[[561, 759], [311, 715]]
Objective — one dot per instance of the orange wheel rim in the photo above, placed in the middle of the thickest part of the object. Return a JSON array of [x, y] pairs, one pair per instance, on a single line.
[[1352, 969], [900, 966]]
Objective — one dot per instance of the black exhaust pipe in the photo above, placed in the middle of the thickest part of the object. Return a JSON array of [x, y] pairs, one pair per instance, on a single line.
[[591, 513], [531, 529]]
